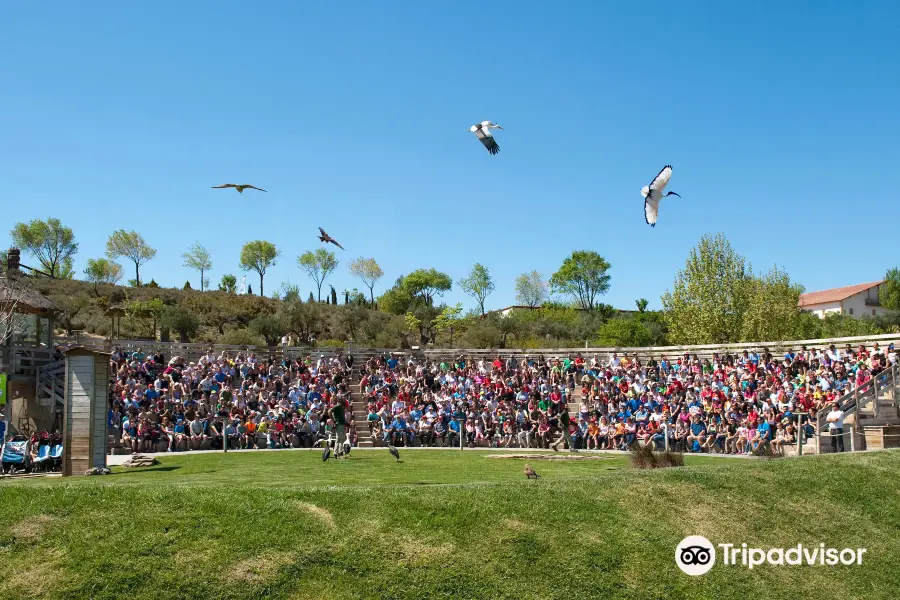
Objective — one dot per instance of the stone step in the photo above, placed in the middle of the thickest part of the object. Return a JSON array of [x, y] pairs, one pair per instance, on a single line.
[[365, 444]]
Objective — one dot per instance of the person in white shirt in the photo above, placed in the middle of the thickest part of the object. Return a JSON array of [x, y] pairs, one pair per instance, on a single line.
[[835, 420]]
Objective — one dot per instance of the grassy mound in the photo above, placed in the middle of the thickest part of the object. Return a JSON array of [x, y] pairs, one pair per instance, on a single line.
[[445, 524]]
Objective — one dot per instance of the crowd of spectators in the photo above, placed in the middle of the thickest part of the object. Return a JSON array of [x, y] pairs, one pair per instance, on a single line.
[[735, 403], [171, 405], [738, 403]]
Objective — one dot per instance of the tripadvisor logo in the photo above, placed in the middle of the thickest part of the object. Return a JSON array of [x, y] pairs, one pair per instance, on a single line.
[[696, 555]]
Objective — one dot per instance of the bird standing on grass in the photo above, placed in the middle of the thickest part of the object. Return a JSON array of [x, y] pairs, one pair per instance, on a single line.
[[653, 193], [483, 132], [529, 473], [239, 187], [394, 452], [326, 454], [324, 237]]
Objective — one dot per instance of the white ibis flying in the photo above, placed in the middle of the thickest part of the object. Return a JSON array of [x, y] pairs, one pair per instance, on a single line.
[[653, 193], [239, 187], [324, 237], [483, 132]]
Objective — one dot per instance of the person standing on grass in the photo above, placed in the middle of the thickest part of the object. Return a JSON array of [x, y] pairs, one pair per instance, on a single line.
[[338, 413], [563, 420], [835, 420]]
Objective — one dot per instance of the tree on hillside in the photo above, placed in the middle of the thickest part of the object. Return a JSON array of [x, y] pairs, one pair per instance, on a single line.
[[426, 284], [772, 311], [890, 290], [228, 284], [305, 320], [270, 327], [583, 277], [448, 319], [198, 258], [318, 265], [290, 292], [258, 256], [709, 296], [531, 289], [369, 271], [66, 269], [130, 245], [181, 320], [478, 284], [50, 242], [624, 332], [102, 270], [641, 304]]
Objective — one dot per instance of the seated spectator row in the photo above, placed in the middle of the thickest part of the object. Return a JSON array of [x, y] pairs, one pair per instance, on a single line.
[[730, 403]]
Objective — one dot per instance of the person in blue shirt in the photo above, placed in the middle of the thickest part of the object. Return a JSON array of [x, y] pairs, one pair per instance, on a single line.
[[763, 435], [633, 405], [398, 428], [151, 394], [698, 434]]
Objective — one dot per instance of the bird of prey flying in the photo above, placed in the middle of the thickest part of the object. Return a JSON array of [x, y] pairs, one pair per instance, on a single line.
[[483, 132], [239, 187], [394, 452], [529, 473], [324, 237], [653, 193]]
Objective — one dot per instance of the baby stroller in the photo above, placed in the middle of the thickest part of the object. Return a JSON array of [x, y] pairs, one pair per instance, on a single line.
[[16, 456]]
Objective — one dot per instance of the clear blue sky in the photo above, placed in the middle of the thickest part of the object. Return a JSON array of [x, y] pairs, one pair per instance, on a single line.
[[780, 118]]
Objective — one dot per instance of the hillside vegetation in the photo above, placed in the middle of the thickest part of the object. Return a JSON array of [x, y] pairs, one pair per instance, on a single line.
[[716, 298]]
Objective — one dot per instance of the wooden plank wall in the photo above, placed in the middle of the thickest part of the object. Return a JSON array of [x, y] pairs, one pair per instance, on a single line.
[[80, 377], [100, 401]]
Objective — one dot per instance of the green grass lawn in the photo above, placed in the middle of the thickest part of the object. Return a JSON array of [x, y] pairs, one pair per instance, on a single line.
[[444, 524]]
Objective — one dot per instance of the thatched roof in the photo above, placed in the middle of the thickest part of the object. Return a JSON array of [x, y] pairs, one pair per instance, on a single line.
[[29, 299]]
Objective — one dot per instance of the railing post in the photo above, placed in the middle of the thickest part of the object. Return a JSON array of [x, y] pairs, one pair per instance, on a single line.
[[875, 399], [817, 431], [666, 433], [800, 435], [37, 385], [852, 439]]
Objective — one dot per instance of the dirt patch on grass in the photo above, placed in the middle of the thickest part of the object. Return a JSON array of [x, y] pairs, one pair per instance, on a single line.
[[37, 578], [258, 568], [419, 551], [32, 527], [323, 514], [551, 456], [192, 557], [515, 524]]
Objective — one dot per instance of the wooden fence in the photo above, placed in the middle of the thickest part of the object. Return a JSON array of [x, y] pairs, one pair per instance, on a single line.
[[195, 351], [702, 351]]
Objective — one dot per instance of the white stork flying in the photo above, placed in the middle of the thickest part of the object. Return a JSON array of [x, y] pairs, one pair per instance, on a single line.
[[653, 193], [483, 132], [239, 187]]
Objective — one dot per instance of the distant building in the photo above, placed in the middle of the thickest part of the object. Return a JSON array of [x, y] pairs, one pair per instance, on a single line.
[[855, 300]]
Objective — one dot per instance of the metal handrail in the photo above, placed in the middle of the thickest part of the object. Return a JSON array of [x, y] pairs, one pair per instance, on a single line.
[[851, 402]]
